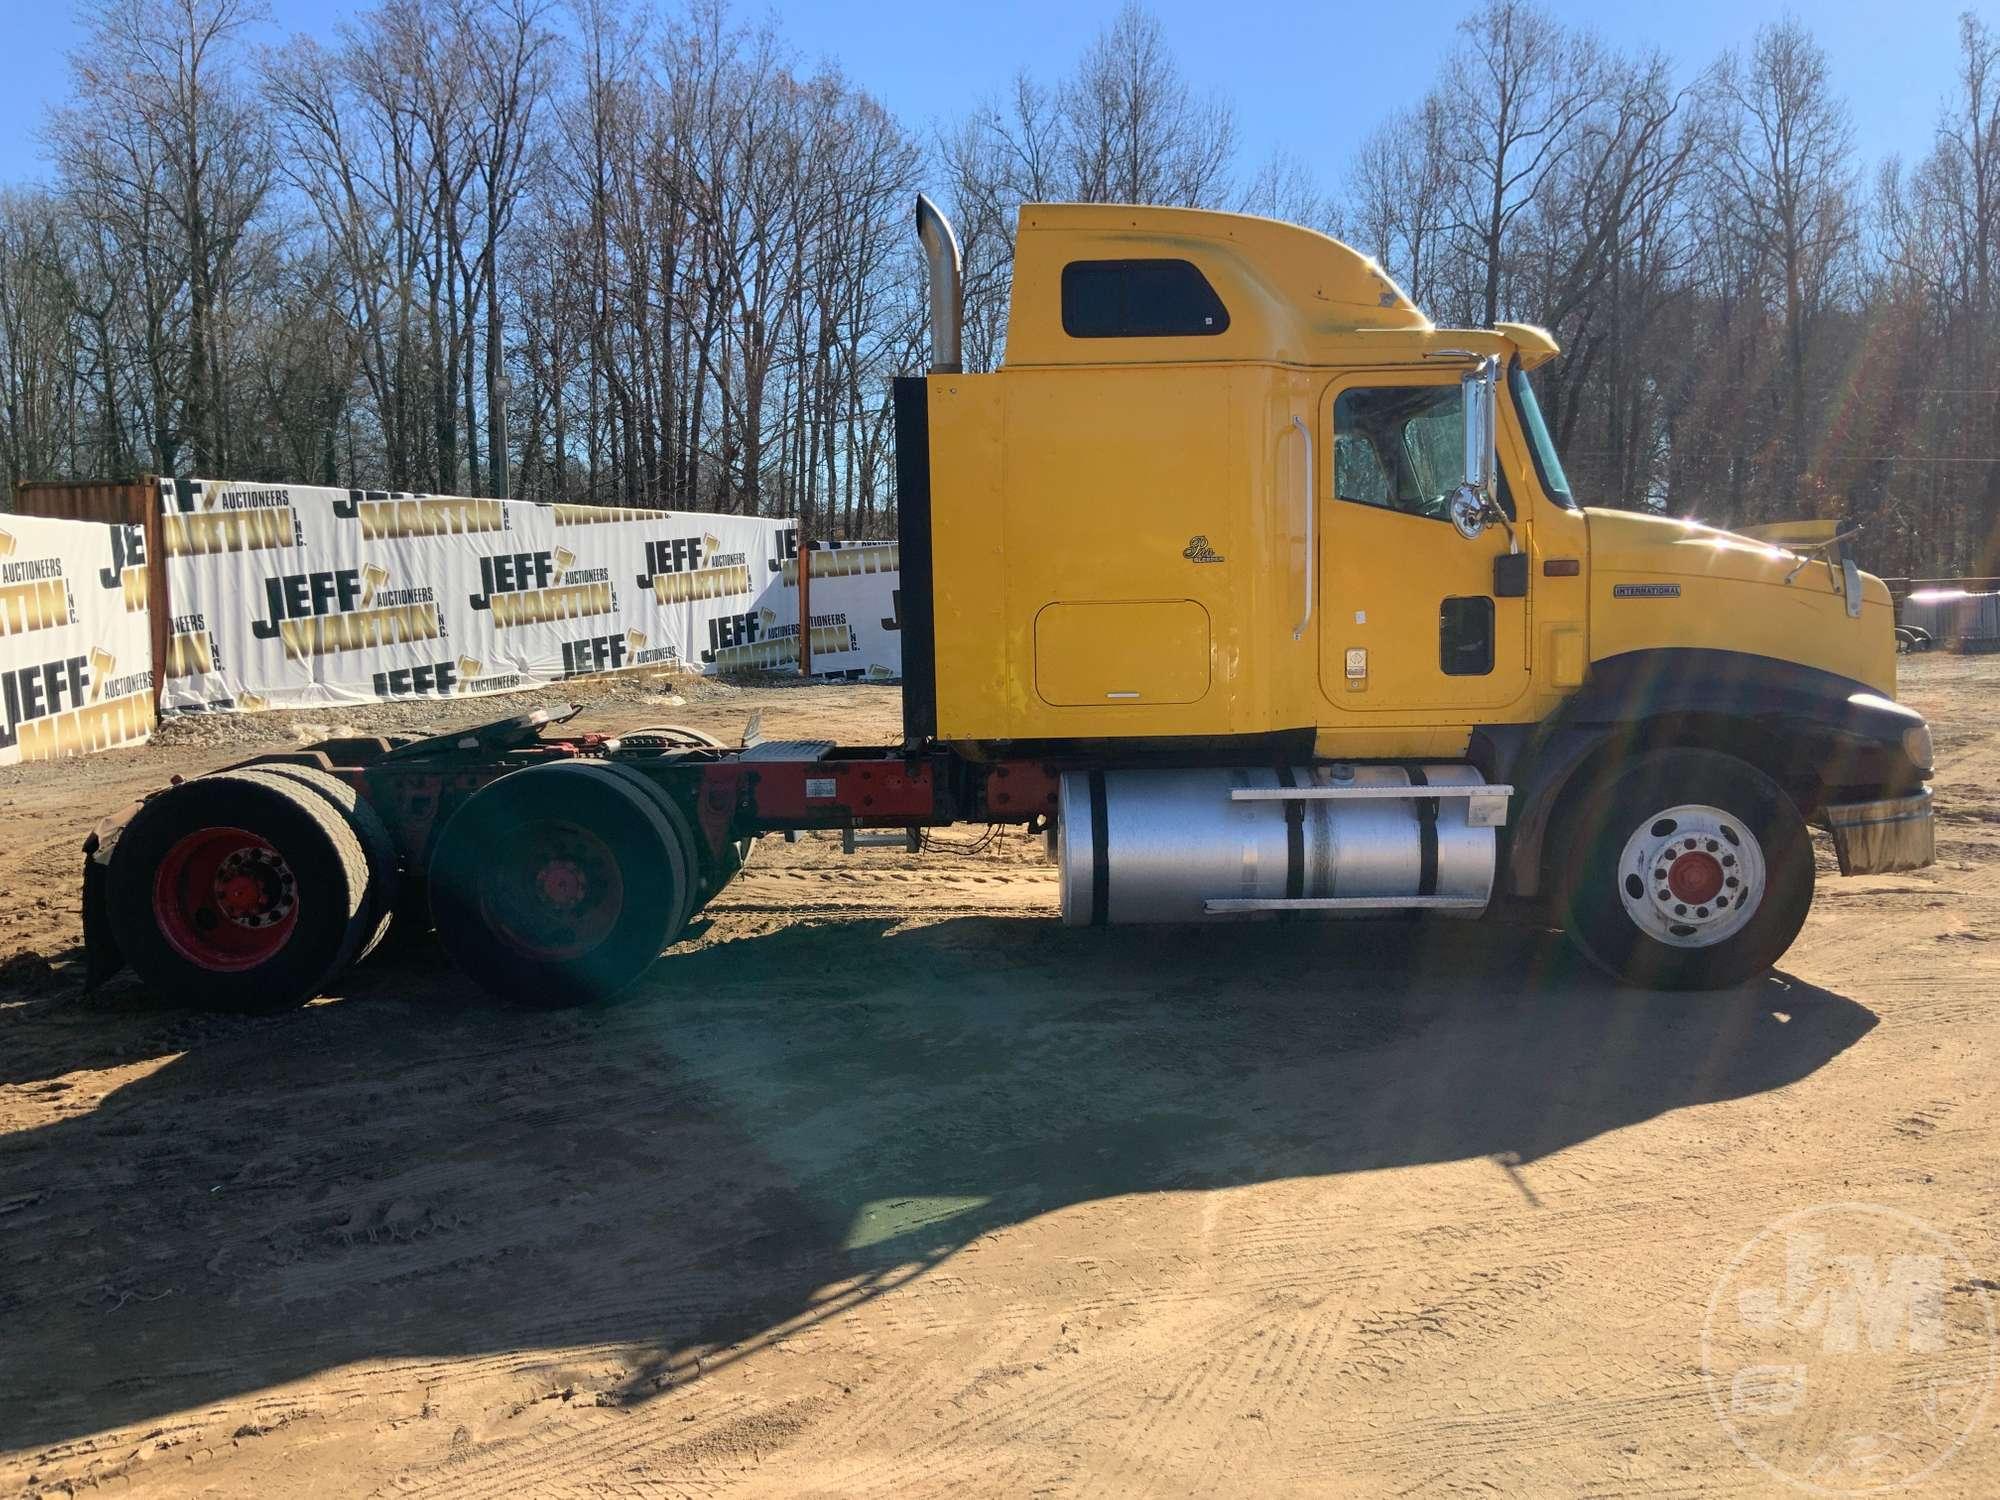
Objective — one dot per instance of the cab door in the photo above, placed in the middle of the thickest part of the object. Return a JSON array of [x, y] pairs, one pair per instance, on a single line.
[[1410, 619]]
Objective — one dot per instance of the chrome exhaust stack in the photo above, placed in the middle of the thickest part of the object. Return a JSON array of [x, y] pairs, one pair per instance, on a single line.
[[946, 276]]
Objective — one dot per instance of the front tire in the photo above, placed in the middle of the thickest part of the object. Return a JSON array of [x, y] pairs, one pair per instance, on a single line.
[[1686, 870]]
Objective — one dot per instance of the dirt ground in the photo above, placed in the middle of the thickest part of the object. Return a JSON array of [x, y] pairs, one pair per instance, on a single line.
[[886, 1183]]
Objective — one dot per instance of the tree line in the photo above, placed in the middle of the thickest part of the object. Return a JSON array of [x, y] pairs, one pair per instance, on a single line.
[[679, 263]]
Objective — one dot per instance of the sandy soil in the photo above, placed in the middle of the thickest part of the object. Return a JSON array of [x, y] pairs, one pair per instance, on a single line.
[[885, 1183]]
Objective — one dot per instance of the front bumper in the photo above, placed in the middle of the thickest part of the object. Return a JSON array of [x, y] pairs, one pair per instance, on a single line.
[[1874, 838]]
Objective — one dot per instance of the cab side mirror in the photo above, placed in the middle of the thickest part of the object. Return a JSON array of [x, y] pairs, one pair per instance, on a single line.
[[1475, 504], [1477, 387]]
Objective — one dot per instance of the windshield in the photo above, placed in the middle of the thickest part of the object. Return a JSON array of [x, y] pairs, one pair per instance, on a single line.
[[1555, 484]]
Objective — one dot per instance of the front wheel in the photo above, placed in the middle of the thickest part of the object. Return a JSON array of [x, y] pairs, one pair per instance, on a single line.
[[1688, 869]]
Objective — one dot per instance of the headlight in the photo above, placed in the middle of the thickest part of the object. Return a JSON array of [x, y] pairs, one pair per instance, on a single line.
[[1917, 745]]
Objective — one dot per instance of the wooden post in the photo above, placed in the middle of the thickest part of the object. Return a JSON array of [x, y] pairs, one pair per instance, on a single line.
[[805, 606], [131, 504]]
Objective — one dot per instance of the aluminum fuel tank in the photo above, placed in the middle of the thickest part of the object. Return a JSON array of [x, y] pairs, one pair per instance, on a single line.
[[1158, 845]]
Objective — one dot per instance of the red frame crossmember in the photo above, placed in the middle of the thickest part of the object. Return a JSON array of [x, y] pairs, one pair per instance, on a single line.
[[774, 795], [730, 797], [1017, 791]]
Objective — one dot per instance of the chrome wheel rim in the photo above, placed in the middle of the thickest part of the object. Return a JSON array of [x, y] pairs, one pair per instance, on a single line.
[[1691, 876]]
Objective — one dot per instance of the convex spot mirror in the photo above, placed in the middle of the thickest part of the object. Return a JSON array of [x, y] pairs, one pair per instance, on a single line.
[[1468, 511]]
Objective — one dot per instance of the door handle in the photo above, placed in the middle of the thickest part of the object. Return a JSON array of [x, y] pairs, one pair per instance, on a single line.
[[1298, 631]]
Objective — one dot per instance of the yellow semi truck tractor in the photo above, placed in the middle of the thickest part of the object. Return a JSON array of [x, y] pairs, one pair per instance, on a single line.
[[1302, 578], [1259, 593]]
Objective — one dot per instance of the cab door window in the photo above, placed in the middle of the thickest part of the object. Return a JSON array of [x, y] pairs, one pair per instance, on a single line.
[[1358, 471], [1400, 448]]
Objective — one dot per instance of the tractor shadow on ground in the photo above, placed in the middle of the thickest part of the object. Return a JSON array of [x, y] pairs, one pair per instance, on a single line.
[[772, 1128]]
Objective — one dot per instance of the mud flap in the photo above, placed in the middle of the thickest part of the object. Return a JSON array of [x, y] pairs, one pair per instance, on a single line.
[[1877, 838], [102, 956]]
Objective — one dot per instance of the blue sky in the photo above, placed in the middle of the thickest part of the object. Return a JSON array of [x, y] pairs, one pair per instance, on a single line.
[[1309, 77]]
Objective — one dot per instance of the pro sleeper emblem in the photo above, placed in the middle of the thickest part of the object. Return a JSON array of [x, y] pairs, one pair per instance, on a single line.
[[1198, 551], [1645, 591]]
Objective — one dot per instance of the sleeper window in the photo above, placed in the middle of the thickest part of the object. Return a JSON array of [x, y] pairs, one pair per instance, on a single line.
[[1113, 299]]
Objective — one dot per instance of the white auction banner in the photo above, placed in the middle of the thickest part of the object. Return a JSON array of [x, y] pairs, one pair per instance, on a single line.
[[856, 610], [76, 643], [299, 596]]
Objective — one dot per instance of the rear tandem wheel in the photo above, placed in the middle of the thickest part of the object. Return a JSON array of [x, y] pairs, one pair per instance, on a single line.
[[239, 891], [559, 884], [736, 854], [376, 843]]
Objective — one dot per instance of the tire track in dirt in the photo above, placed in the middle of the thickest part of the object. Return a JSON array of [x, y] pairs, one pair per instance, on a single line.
[[554, 1458], [1013, 1415]]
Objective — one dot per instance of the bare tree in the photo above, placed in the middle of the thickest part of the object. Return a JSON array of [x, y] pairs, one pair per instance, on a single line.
[[1284, 187], [1007, 153], [1135, 130], [165, 152], [1788, 198], [1515, 93], [1400, 191], [41, 360], [510, 48], [1125, 127], [1941, 236]]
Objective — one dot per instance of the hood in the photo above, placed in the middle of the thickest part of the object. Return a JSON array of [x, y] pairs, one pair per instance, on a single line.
[[1626, 541], [1657, 583]]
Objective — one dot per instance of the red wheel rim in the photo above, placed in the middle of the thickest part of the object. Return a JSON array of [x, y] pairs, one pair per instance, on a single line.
[[225, 899], [554, 892], [1695, 878]]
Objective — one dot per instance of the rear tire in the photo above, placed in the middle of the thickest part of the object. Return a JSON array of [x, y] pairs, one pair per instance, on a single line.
[[1687, 869], [699, 885], [736, 854], [376, 844], [238, 891], [558, 885], [709, 876]]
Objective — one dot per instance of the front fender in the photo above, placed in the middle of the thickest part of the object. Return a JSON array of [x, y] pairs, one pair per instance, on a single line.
[[1823, 737]]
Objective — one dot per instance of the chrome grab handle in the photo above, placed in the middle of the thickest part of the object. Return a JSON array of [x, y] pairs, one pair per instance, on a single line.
[[1298, 632]]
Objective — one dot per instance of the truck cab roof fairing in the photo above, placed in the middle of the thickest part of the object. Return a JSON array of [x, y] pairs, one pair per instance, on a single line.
[[1286, 288]]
